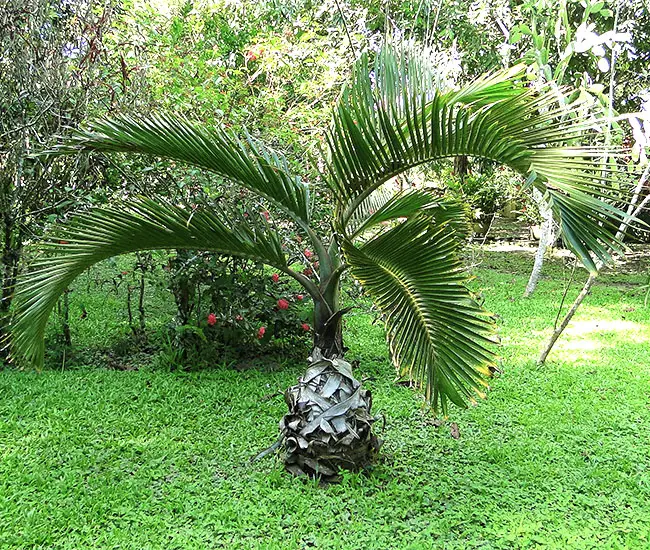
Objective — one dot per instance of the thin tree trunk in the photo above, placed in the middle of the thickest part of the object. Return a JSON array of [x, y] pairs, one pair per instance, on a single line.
[[141, 311], [11, 243], [10, 259], [557, 332], [545, 239], [129, 307], [67, 337], [181, 287], [633, 211]]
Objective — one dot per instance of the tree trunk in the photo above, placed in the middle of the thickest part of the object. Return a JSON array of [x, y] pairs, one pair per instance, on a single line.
[[11, 254], [461, 167], [181, 287], [329, 423], [65, 319], [545, 239], [142, 316]]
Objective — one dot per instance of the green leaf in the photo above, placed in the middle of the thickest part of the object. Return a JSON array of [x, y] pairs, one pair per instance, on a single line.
[[383, 206], [245, 162], [438, 336], [103, 233], [396, 116]]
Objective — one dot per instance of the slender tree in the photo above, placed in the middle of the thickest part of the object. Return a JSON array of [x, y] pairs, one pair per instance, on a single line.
[[49, 58], [402, 246]]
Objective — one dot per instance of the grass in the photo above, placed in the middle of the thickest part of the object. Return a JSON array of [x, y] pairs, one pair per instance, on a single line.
[[556, 457]]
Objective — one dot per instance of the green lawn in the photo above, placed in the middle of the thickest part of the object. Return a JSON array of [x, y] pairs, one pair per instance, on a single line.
[[556, 457]]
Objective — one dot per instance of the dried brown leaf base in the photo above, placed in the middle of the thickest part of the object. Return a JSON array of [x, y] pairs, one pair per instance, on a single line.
[[329, 424]]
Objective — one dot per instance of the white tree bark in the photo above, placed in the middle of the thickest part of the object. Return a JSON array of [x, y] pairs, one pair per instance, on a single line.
[[546, 238]]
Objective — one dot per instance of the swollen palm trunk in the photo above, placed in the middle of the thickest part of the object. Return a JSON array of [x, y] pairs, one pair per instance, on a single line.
[[329, 425]]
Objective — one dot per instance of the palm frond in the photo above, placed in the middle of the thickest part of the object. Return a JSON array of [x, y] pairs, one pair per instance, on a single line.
[[103, 233], [243, 161], [387, 122], [438, 336], [384, 205]]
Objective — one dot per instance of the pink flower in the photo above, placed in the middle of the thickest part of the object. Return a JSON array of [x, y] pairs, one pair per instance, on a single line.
[[275, 277], [305, 327], [239, 318], [300, 297], [212, 319], [266, 215], [260, 332], [283, 304], [307, 272], [308, 253]]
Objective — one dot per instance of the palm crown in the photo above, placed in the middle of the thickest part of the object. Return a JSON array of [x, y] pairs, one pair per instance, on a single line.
[[393, 115]]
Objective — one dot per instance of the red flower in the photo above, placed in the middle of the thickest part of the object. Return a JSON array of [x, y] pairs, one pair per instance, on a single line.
[[260, 332], [308, 253], [300, 297], [275, 277], [283, 304], [212, 319], [266, 215], [254, 53], [305, 327], [307, 272], [316, 265]]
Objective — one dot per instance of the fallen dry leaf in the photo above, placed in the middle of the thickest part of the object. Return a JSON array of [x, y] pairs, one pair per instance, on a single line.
[[455, 432]]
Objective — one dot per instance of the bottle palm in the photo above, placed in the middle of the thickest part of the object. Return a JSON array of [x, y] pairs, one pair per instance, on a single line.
[[402, 246]]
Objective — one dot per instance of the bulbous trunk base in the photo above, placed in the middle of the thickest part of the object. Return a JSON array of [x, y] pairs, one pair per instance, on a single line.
[[329, 425]]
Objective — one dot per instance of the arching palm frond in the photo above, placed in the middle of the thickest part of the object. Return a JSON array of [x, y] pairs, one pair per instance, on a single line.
[[438, 336], [244, 162], [386, 205], [106, 232], [387, 122]]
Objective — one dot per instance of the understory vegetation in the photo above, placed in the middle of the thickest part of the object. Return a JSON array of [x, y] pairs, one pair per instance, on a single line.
[[156, 457]]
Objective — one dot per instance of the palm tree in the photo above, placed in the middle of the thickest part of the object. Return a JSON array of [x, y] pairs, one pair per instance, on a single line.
[[401, 246]]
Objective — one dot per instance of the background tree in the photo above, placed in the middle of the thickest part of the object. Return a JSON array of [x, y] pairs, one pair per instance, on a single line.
[[51, 56]]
